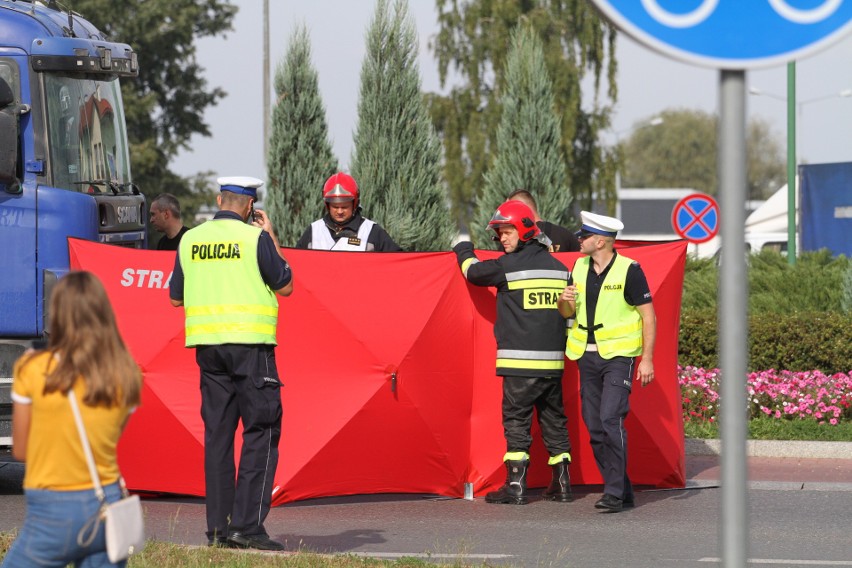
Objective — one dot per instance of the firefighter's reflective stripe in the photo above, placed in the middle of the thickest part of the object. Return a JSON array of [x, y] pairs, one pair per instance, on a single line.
[[467, 263], [535, 274], [558, 459], [522, 359], [516, 456], [538, 283], [545, 279], [620, 331]]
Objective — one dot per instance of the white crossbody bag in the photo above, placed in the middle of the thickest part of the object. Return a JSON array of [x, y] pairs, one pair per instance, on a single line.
[[123, 521]]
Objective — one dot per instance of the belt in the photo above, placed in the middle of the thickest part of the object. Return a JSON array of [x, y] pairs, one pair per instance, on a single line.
[[591, 346]]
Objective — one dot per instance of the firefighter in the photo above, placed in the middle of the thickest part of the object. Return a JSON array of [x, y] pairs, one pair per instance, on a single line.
[[227, 274], [343, 227], [615, 323], [530, 335]]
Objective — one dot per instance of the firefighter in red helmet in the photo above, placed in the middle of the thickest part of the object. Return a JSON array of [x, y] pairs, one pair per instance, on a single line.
[[530, 335], [343, 227]]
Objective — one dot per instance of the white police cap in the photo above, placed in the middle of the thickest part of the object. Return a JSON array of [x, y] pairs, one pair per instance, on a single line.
[[599, 225], [242, 185]]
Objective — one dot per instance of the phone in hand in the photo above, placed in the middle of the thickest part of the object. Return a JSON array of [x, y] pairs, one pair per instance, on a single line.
[[254, 216]]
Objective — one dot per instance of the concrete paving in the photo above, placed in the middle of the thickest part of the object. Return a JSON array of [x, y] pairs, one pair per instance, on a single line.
[[796, 509]]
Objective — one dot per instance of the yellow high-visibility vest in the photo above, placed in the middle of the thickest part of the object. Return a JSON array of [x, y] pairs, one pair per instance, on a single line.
[[225, 297], [621, 333]]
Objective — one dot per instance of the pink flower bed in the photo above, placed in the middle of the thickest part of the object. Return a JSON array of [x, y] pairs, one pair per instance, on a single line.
[[809, 395]]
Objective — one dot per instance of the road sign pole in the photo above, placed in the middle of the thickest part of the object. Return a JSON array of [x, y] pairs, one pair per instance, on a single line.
[[732, 324], [791, 163]]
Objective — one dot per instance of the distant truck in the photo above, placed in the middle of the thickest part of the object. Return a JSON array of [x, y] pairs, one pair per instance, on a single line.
[[64, 163]]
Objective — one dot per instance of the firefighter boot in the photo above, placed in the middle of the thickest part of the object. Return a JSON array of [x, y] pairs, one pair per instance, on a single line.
[[514, 490], [560, 484]]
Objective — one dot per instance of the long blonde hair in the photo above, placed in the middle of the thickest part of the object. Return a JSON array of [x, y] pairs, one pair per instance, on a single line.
[[84, 336]]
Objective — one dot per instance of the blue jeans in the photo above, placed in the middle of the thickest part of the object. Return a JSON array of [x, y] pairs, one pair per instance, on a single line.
[[49, 534]]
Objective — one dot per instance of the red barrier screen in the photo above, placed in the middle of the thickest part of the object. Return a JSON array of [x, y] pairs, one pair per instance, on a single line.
[[387, 362]]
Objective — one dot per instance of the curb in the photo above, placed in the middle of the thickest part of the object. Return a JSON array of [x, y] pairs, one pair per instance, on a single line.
[[774, 448]]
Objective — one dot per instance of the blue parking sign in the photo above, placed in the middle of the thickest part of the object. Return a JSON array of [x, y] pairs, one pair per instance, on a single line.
[[732, 34], [696, 218]]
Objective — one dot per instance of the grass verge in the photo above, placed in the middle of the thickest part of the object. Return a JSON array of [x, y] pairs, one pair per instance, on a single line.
[[774, 429], [166, 555]]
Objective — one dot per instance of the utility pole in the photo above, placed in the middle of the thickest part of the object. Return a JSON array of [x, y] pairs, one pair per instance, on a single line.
[[265, 80]]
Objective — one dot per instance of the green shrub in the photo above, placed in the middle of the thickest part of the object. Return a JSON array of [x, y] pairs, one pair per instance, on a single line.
[[796, 342], [799, 315], [817, 282], [814, 284]]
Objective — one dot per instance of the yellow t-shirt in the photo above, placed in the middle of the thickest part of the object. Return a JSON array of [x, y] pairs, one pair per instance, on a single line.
[[55, 458]]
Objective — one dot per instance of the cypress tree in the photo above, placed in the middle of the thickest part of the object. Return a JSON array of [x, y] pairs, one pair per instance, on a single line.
[[300, 155], [471, 48], [528, 154], [397, 155]]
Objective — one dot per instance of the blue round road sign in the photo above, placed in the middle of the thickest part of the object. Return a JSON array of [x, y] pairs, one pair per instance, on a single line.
[[696, 218], [732, 34]]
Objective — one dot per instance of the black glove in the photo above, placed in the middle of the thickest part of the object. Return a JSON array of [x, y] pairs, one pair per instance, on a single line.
[[463, 246]]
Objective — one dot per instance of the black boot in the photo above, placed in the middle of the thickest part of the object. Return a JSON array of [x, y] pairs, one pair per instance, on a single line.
[[560, 484], [514, 490]]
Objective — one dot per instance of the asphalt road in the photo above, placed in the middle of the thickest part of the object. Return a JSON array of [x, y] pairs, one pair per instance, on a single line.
[[791, 524]]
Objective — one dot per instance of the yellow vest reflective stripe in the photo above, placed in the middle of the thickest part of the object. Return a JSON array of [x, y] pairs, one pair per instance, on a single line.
[[621, 333], [225, 297]]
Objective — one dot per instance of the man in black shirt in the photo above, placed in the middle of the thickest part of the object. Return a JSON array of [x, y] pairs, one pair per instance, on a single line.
[[561, 239], [165, 218]]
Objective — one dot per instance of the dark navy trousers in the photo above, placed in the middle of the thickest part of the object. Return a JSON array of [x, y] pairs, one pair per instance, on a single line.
[[239, 383], [605, 386]]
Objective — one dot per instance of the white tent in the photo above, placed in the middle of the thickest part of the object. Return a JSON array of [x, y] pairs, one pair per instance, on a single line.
[[771, 217]]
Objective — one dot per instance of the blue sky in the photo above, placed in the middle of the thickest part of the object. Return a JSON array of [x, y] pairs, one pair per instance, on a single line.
[[648, 83]]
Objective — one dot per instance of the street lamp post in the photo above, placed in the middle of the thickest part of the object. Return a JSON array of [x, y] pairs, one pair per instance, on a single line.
[[792, 160]]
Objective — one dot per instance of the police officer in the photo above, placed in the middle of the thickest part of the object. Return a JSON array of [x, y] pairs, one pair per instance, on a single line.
[[227, 272], [530, 335], [614, 324], [343, 227]]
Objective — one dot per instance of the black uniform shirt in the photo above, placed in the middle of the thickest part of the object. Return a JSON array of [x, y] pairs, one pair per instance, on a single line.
[[562, 239], [636, 290], [273, 269]]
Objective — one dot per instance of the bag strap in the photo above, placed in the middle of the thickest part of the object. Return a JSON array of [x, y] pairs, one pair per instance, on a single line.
[[87, 449]]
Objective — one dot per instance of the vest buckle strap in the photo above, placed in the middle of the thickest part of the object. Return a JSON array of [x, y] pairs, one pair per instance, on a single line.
[[591, 347]]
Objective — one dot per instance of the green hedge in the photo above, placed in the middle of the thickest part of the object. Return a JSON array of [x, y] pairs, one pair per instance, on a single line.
[[817, 282], [803, 341], [800, 315]]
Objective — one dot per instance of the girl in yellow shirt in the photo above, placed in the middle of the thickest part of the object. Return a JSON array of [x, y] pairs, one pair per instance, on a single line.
[[85, 358]]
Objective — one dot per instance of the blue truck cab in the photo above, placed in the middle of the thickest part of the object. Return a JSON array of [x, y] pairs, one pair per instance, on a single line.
[[64, 163]]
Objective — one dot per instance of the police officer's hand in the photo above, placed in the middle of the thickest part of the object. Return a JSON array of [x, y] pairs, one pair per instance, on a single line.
[[569, 294], [645, 371], [261, 219], [463, 246]]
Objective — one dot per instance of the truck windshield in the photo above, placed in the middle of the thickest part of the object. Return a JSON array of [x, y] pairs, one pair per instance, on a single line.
[[88, 143]]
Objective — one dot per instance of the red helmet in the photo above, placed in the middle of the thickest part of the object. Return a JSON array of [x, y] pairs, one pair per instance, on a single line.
[[518, 215], [340, 188]]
